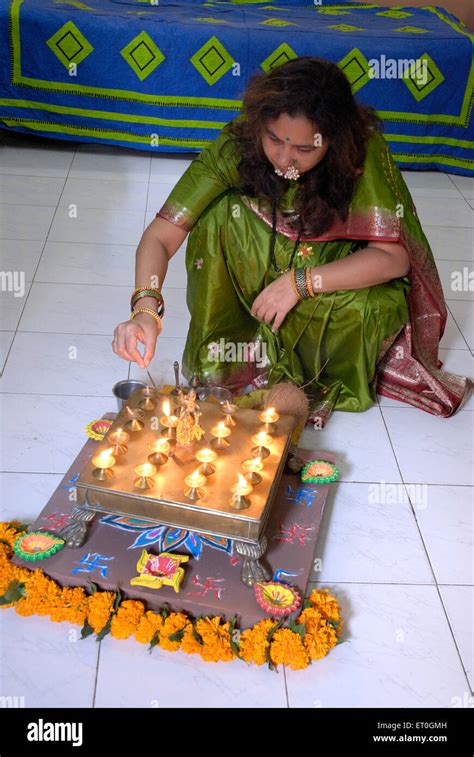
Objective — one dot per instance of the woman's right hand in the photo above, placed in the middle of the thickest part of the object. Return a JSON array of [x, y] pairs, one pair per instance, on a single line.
[[143, 328]]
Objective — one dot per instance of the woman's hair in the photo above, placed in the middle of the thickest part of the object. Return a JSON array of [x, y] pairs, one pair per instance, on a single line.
[[318, 90]]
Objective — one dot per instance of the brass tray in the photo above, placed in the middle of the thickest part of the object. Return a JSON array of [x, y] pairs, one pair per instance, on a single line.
[[166, 502]]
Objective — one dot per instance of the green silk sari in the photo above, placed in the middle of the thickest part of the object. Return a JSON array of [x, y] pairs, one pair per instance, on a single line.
[[342, 346]]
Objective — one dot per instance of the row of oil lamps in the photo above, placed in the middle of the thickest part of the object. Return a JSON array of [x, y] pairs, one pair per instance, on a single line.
[[160, 449]]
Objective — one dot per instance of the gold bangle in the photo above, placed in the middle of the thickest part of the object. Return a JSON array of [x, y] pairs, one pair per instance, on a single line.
[[293, 282], [309, 281], [151, 312]]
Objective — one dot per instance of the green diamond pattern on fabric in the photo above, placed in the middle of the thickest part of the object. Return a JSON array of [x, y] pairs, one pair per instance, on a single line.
[[142, 55], [282, 54], [347, 28], [212, 60], [277, 22], [423, 77], [356, 68], [69, 45], [210, 20], [411, 30], [331, 12], [394, 14]]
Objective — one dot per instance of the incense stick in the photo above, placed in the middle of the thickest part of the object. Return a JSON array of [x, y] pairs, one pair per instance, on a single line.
[[151, 379]]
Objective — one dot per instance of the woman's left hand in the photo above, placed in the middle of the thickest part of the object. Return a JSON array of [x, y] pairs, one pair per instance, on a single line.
[[275, 301]]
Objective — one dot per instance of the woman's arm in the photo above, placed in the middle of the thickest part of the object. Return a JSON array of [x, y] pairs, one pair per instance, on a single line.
[[375, 264], [367, 267], [159, 242]]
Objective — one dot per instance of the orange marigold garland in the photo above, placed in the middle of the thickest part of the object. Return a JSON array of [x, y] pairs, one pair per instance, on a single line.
[[126, 619], [311, 636]]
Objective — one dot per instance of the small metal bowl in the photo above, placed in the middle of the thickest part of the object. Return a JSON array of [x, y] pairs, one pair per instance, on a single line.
[[220, 393]]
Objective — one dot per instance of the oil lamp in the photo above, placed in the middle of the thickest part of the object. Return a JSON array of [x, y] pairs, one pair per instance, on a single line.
[[206, 457], [240, 490], [168, 421], [194, 481], [149, 394], [261, 440], [144, 473], [220, 432], [119, 440], [269, 417], [160, 451], [135, 422], [253, 468], [229, 409], [104, 463]]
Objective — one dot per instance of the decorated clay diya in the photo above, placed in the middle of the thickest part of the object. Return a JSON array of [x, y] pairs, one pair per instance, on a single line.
[[37, 545], [97, 429], [276, 598], [319, 472]]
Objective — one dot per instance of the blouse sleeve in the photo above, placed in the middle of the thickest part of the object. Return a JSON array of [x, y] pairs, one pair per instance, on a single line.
[[211, 174]]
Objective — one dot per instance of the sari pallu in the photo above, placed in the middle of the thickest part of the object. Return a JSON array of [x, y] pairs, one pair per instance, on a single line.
[[394, 348]]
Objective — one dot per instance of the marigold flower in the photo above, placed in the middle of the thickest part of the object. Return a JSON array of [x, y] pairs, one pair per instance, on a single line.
[[326, 604], [149, 624], [43, 595], [126, 620], [254, 643], [100, 606], [286, 648], [8, 534], [175, 622], [189, 643], [319, 643], [73, 606], [216, 640]]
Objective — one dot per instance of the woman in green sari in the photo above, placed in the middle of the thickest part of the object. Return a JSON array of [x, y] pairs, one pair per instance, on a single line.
[[306, 261]]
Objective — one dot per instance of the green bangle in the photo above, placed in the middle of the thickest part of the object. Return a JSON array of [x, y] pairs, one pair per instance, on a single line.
[[147, 293], [300, 280]]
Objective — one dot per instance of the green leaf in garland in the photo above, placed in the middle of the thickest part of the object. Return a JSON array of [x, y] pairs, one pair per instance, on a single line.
[[19, 527], [165, 611], [105, 630], [118, 599], [299, 628], [86, 630], [92, 587], [155, 640], [177, 635], [340, 641], [197, 636], [274, 628], [306, 603], [333, 623], [14, 593]]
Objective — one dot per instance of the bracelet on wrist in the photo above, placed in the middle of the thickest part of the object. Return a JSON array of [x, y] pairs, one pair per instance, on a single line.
[[151, 312], [309, 282], [300, 281], [138, 294]]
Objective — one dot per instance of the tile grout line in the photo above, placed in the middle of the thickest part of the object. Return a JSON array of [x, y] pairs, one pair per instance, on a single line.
[[96, 681], [37, 266], [427, 554], [286, 688], [457, 324]]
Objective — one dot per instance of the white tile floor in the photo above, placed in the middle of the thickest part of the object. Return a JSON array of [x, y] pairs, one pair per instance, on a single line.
[[400, 560]]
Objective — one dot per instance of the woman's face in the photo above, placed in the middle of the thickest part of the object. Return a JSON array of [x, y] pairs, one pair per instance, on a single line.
[[288, 141]]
